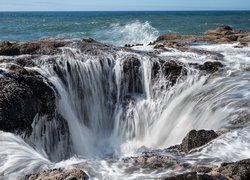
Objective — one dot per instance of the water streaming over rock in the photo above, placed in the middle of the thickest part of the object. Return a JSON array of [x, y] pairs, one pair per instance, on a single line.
[[113, 103]]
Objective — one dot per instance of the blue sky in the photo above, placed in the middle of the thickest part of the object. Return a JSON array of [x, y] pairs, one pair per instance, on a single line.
[[89, 5]]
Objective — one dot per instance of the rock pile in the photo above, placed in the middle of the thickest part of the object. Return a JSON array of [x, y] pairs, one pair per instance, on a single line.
[[58, 174], [222, 34]]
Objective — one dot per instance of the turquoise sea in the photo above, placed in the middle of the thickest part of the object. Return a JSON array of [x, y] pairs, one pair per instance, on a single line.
[[115, 27]]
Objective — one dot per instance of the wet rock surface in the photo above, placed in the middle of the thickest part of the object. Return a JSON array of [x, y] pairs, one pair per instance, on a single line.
[[210, 54], [172, 70], [196, 139], [161, 159], [45, 47], [132, 75], [154, 161], [208, 66], [228, 171], [239, 170], [23, 95], [59, 174]]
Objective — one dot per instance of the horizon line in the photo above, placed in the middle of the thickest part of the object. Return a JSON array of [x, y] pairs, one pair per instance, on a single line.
[[122, 10]]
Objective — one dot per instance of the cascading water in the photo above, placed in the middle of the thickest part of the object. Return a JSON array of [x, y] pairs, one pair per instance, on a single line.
[[115, 104]]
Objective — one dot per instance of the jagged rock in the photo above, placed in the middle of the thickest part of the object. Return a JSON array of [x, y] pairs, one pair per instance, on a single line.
[[89, 40], [172, 70], [222, 34], [129, 45], [153, 161], [196, 139], [45, 47], [23, 95], [241, 45], [171, 37], [23, 61], [58, 174], [221, 30], [194, 176], [211, 54], [224, 28], [185, 176], [209, 66], [245, 39], [132, 82], [159, 46], [237, 170]]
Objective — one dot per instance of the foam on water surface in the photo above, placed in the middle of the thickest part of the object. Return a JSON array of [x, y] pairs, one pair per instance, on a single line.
[[115, 120]]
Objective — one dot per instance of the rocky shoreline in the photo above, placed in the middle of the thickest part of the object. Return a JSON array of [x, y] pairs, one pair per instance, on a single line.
[[221, 35], [25, 94], [239, 170]]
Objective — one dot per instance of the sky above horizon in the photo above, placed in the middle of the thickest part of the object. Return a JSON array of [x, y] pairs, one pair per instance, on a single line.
[[119, 5]]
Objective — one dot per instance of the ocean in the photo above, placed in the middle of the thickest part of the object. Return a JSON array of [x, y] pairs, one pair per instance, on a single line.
[[116, 28]]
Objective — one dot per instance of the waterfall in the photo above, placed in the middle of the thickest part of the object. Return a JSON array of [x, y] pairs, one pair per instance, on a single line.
[[115, 103], [112, 103]]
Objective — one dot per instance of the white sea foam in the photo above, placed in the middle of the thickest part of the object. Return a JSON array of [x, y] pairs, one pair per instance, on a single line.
[[132, 33], [229, 147], [17, 158]]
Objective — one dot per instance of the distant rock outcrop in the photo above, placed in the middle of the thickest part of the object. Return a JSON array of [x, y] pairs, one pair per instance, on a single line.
[[222, 34]]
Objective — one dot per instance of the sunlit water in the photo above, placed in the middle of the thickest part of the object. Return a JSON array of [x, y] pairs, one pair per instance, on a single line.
[[117, 28]]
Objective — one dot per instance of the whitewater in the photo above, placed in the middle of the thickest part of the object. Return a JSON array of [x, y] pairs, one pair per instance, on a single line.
[[112, 114]]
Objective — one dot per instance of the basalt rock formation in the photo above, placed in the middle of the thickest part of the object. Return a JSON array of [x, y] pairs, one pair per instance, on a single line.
[[196, 139], [222, 34], [24, 94], [56, 174], [227, 171], [42, 47], [235, 170]]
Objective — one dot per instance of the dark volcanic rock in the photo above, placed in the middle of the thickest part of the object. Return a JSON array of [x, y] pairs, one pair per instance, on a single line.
[[23, 95], [224, 28], [172, 70], [228, 171], [211, 54], [209, 66], [154, 161], [195, 176], [222, 34], [59, 174], [237, 170], [196, 139], [241, 45], [132, 82], [244, 39], [175, 37], [44, 47], [185, 176]]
